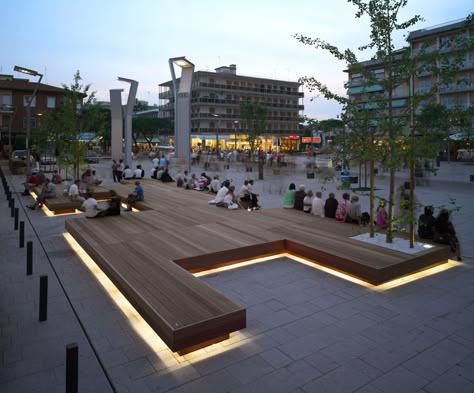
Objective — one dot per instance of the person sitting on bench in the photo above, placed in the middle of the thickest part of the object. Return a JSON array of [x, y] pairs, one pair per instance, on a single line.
[[91, 207], [47, 191], [137, 195]]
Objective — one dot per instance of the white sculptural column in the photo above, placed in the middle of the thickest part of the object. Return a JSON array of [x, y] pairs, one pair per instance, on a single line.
[[127, 114], [116, 113], [182, 102]]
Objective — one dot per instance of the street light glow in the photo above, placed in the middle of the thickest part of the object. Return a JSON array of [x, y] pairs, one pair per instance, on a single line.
[[27, 71]]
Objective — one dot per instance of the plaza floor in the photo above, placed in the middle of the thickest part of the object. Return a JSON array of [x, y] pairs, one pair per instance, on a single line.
[[308, 331]]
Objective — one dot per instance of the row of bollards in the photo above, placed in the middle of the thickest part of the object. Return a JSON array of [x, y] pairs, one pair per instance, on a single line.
[[72, 350]]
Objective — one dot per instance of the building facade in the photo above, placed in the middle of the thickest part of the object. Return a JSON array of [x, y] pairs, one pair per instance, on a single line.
[[14, 95], [458, 93], [215, 109]]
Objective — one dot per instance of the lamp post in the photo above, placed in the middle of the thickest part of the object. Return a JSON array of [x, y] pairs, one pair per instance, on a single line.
[[28, 112], [236, 123], [128, 118], [217, 131]]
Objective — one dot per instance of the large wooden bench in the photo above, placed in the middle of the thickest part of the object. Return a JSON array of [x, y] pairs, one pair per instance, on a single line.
[[62, 204], [184, 311]]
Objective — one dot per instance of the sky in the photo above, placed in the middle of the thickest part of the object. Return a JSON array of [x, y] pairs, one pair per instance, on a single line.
[[105, 39]]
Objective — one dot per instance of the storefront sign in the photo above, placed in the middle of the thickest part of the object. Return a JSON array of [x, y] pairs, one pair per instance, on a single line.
[[308, 139]]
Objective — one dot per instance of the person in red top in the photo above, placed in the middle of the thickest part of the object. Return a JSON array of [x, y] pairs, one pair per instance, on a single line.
[[32, 182], [56, 177]]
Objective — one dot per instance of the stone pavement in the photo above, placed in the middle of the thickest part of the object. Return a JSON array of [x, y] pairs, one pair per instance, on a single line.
[[308, 331]]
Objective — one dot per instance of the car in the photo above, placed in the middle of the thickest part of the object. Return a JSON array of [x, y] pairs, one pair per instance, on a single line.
[[47, 159], [19, 155], [92, 157]]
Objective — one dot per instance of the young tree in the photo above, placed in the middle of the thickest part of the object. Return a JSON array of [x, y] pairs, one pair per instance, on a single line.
[[254, 116], [399, 67]]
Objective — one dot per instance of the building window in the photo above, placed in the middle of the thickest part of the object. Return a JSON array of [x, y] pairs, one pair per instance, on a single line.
[[25, 101], [424, 86], [51, 102], [462, 100], [6, 100], [447, 101], [32, 122]]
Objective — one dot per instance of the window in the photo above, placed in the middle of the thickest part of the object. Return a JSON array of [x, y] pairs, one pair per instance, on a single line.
[[447, 101], [25, 101], [51, 102], [6, 100], [32, 122], [424, 86], [462, 100]]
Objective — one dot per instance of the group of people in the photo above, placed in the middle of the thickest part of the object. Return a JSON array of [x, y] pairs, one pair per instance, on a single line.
[[348, 209], [226, 195], [439, 229]]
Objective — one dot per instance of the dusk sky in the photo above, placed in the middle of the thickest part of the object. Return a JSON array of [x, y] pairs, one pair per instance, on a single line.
[[134, 39]]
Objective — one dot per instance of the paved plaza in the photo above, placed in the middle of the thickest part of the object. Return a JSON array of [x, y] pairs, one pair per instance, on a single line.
[[307, 330]]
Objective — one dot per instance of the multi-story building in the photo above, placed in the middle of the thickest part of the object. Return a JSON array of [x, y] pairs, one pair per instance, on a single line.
[[215, 108], [441, 39], [14, 95]]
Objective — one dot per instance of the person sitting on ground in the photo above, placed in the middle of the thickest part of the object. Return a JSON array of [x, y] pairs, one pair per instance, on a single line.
[[230, 199], [244, 195], [299, 198], [289, 197], [426, 224], [308, 202], [341, 207], [353, 210], [85, 177], [73, 191], [179, 179], [30, 183], [381, 216], [56, 177], [192, 183], [137, 195], [127, 173], [215, 185], [202, 182], [115, 204], [47, 191], [330, 206], [139, 172], [165, 177], [253, 196], [154, 171], [91, 207], [445, 233], [219, 199], [317, 208]]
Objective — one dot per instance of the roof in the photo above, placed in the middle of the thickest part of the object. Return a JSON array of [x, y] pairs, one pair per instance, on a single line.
[[438, 29], [7, 82]]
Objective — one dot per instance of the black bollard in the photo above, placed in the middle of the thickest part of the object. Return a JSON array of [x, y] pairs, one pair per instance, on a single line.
[[16, 218], [72, 368], [22, 234], [43, 301], [12, 208], [29, 258]]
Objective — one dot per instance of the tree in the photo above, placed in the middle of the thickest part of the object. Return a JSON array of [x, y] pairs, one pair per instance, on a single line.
[[150, 127], [64, 126], [399, 67], [254, 116]]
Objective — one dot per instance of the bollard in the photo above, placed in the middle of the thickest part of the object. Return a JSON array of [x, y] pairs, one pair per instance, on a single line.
[[43, 301], [12, 208], [16, 218], [22, 234], [72, 368], [29, 258]]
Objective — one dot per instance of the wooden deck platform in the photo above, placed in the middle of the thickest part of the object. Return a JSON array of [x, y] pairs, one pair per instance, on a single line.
[[149, 256]]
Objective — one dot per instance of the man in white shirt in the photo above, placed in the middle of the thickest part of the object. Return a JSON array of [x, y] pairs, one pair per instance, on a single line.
[[318, 205], [91, 207], [215, 185], [127, 173], [138, 173], [73, 192], [222, 193]]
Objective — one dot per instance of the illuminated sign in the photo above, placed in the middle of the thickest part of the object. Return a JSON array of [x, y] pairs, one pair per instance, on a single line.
[[308, 139], [293, 137]]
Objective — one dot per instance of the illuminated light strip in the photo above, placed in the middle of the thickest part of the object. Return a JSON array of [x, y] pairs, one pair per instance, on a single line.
[[417, 276], [382, 287], [124, 205], [138, 324], [48, 212]]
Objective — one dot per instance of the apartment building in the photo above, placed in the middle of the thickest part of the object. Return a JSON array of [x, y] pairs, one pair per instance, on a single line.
[[14, 95], [215, 108], [442, 39]]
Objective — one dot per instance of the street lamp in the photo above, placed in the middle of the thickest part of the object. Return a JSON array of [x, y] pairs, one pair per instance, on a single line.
[[236, 123], [217, 131], [28, 112], [128, 112], [182, 108]]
